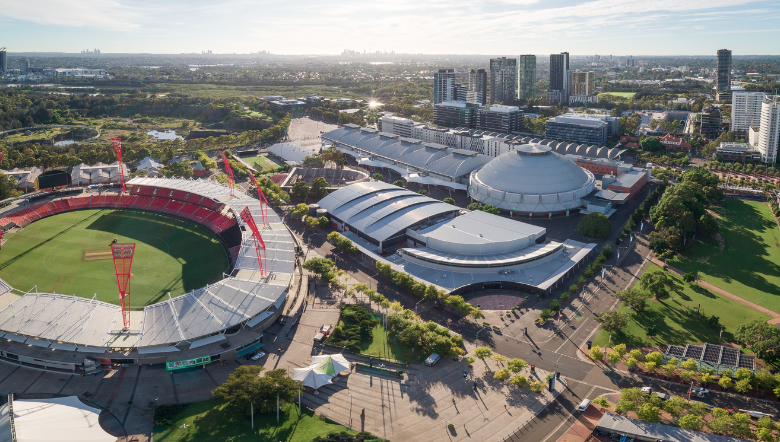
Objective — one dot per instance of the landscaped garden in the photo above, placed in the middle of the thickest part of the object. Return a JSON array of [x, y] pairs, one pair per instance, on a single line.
[[744, 258], [676, 319], [211, 421]]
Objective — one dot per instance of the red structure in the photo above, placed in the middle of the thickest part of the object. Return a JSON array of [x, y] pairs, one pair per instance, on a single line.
[[259, 243], [2, 154], [263, 201], [231, 178], [123, 261], [117, 143]]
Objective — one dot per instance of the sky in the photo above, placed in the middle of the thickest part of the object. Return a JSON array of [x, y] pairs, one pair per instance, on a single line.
[[581, 27]]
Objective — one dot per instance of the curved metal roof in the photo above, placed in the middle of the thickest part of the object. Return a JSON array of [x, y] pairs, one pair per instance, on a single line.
[[542, 172], [381, 210]]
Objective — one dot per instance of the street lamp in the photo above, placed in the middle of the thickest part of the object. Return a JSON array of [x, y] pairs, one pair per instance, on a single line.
[[350, 394]]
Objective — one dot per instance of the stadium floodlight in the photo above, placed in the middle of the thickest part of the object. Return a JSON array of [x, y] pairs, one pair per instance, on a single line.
[[259, 243], [2, 155], [230, 176], [263, 200], [123, 261], [117, 143]]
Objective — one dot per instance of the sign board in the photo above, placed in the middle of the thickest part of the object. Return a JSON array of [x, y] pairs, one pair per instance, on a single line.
[[178, 365]]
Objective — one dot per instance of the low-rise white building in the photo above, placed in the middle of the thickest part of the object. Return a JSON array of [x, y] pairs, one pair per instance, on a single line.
[[100, 173], [25, 178], [150, 166]]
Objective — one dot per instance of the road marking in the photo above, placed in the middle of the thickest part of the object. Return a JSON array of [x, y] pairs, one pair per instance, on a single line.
[[565, 420], [572, 335]]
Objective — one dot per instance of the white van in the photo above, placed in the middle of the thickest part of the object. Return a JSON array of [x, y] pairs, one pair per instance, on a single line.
[[584, 405], [432, 360]]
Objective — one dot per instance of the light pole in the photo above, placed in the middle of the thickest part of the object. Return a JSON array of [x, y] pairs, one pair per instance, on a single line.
[[605, 348], [350, 394]]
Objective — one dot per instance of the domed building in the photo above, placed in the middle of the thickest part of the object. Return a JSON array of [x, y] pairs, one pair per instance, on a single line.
[[532, 180]]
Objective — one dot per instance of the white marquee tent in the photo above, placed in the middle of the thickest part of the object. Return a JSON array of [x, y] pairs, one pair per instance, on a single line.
[[323, 368], [58, 419]]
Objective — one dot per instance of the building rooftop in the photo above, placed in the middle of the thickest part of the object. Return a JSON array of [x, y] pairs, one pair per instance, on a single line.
[[653, 431], [629, 178]]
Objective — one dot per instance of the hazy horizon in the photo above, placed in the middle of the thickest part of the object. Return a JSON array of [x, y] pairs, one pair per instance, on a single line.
[[435, 27]]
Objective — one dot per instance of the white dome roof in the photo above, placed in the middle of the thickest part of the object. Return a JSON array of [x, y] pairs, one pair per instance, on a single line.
[[533, 168], [531, 179]]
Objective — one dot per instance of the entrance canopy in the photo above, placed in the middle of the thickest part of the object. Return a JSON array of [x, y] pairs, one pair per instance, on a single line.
[[58, 419]]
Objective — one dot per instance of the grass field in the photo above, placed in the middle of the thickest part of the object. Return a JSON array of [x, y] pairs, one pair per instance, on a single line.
[[209, 422], [620, 94], [745, 258], [261, 162], [390, 349], [676, 320], [69, 253]]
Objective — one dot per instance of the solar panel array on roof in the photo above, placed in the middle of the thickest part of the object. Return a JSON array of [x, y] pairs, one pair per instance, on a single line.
[[713, 355]]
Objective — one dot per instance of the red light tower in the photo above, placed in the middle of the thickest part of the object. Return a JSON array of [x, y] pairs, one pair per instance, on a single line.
[[117, 143], [259, 243], [263, 201], [2, 155], [123, 261], [231, 178]]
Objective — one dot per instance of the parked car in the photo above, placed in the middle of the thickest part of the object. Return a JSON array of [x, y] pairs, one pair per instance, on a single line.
[[437, 305], [584, 405], [432, 359], [258, 356], [647, 390]]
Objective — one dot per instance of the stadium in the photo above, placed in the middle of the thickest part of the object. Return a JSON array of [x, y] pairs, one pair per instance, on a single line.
[[208, 285]]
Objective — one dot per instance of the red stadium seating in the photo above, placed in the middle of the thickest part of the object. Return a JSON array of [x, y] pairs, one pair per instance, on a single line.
[[52, 208], [212, 217], [210, 203], [59, 205], [179, 195], [111, 200], [193, 198], [126, 200], [158, 204], [96, 201], [173, 207], [81, 202], [142, 202], [188, 209], [201, 214], [146, 190]]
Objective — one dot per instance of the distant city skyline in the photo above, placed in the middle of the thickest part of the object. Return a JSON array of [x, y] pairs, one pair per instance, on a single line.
[[510, 27]]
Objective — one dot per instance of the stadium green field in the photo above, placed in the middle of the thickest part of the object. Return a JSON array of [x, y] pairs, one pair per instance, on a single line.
[[69, 253]]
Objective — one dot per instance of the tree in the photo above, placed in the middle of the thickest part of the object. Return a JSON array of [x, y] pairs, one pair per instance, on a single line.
[[740, 427], [725, 382], [634, 297], [649, 412], [322, 267], [669, 369], [636, 354], [177, 169], [654, 357], [765, 435], [594, 225], [601, 401], [299, 210], [538, 387], [765, 380], [516, 365], [743, 373], [482, 352], [657, 284], [343, 436], [8, 187], [632, 362], [378, 177], [651, 366], [519, 381], [300, 190], [613, 358], [612, 321], [449, 200], [691, 422], [245, 386], [689, 277], [763, 338], [742, 386], [319, 187], [596, 354], [400, 183], [620, 349], [689, 364], [706, 378], [652, 144], [675, 406], [502, 374], [720, 422]]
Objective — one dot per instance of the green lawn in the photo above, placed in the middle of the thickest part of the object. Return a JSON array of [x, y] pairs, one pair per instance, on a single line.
[[262, 162], [746, 260], [620, 94], [390, 349], [207, 421], [69, 253], [676, 321]]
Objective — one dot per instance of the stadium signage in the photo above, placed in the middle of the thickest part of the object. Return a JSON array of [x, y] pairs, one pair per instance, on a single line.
[[178, 365]]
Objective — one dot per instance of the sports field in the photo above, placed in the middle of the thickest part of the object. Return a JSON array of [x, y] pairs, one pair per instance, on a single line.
[[744, 258], [69, 253], [261, 163]]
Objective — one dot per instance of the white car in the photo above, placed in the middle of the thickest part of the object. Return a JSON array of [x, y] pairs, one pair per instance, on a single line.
[[647, 390], [700, 392], [258, 356]]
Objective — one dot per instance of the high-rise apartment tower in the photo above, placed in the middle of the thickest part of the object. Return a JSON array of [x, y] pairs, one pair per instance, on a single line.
[[443, 85], [769, 132], [478, 83], [526, 77], [559, 73], [723, 71], [503, 79]]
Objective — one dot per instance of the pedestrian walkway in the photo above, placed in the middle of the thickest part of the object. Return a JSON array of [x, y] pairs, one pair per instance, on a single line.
[[775, 316]]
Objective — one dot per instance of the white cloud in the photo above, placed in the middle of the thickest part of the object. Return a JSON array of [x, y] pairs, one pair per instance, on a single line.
[[102, 14]]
